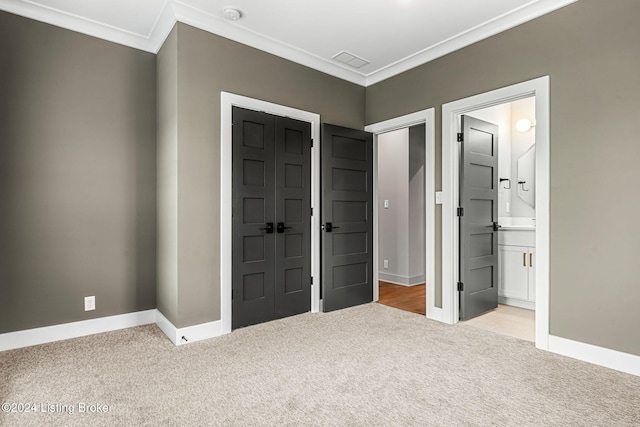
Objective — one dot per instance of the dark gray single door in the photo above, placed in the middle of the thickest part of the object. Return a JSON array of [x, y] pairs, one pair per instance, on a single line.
[[271, 217], [479, 217], [347, 217]]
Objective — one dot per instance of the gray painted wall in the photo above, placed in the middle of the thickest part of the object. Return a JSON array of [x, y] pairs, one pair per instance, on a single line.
[[590, 51], [207, 65], [417, 237], [167, 93], [393, 185], [77, 176]]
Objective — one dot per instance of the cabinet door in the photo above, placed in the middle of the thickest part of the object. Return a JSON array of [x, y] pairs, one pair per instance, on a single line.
[[531, 262], [513, 272]]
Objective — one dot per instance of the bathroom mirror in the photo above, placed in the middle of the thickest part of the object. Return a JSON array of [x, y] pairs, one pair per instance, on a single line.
[[526, 176]]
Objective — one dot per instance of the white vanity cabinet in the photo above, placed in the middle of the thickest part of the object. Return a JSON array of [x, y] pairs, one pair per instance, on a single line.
[[516, 276]]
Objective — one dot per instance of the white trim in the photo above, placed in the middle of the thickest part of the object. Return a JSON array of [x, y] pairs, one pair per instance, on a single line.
[[217, 25], [613, 359], [181, 336], [401, 280], [229, 100], [480, 32], [427, 117], [450, 164], [65, 331], [162, 27], [515, 302], [81, 24], [176, 10], [376, 235]]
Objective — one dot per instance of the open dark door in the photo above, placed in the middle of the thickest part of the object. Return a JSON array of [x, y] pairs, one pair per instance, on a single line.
[[347, 217], [478, 217]]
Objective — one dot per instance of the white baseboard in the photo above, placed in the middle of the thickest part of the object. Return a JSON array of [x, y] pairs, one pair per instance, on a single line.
[[65, 331], [401, 280], [515, 302], [180, 336], [608, 358]]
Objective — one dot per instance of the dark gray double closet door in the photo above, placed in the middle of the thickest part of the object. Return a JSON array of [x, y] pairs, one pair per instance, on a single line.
[[271, 217]]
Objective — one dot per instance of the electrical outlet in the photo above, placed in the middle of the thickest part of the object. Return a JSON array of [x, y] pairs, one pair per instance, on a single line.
[[385, 263], [89, 303]]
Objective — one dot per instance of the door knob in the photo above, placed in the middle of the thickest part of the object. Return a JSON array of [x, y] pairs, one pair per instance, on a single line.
[[496, 226], [281, 227], [268, 228], [329, 227]]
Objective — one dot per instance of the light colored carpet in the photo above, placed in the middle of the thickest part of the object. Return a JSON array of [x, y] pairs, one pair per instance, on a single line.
[[363, 366]]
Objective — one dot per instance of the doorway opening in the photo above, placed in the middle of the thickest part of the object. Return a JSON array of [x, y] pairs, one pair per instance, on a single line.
[[426, 215], [516, 218], [539, 89], [401, 219]]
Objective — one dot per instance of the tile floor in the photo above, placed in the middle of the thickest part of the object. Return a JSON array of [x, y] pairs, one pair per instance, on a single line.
[[508, 320]]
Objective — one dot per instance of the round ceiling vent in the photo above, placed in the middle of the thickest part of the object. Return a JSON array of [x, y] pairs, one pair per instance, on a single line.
[[231, 14]]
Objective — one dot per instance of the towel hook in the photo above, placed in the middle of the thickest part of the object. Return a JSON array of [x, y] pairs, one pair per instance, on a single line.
[[508, 180]]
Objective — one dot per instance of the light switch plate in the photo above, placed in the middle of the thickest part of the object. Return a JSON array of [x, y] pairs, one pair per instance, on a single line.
[[438, 197], [386, 204]]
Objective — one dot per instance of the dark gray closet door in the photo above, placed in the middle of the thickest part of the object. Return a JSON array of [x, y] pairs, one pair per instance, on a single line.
[[293, 217], [253, 256], [479, 218], [347, 217], [271, 217]]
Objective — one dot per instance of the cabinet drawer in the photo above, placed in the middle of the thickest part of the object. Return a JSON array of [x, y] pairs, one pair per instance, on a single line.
[[517, 237]]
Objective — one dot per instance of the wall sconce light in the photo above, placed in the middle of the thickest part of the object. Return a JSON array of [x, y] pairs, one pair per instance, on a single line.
[[523, 125]]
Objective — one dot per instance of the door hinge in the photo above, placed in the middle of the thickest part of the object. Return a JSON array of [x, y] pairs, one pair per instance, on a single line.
[[460, 211], [460, 286], [311, 211], [231, 293], [312, 280], [312, 143], [460, 137]]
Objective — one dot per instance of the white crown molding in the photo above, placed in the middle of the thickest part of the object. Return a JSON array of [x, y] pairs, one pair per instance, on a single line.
[[79, 24], [490, 28], [176, 10], [163, 26], [217, 25]]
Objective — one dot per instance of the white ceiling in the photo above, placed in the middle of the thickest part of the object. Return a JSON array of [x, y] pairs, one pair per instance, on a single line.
[[392, 35]]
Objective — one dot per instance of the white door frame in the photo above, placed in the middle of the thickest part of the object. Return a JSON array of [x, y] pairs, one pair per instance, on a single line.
[[229, 100], [428, 118], [450, 172]]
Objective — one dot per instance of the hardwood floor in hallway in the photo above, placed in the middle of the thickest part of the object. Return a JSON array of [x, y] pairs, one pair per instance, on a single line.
[[408, 298]]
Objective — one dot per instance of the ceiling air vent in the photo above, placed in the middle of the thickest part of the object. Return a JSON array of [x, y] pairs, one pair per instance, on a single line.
[[350, 59]]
